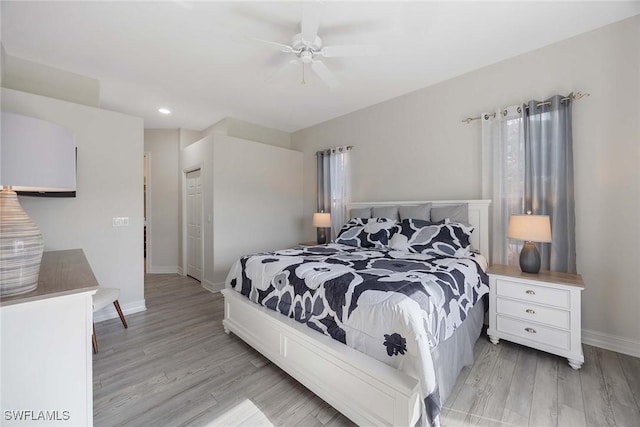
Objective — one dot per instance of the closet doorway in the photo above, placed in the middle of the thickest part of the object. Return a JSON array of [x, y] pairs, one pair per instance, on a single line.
[[194, 224]]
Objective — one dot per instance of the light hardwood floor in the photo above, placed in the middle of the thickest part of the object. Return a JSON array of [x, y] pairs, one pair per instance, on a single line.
[[176, 366]]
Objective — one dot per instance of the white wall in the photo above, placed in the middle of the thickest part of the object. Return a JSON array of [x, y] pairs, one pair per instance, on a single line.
[[415, 148], [188, 137], [109, 184], [258, 200], [163, 182], [249, 131], [28, 76], [251, 196]]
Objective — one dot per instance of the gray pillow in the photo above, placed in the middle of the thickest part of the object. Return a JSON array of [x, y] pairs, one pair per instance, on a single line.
[[455, 213], [360, 213], [390, 212], [415, 212]]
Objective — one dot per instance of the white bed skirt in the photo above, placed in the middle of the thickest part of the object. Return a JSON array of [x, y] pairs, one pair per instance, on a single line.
[[365, 390]]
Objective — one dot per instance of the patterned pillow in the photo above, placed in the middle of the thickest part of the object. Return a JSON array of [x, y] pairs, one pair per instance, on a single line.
[[367, 232], [425, 237]]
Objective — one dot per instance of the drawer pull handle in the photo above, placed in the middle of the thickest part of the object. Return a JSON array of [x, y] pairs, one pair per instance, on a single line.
[[530, 311], [530, 330], [530, 292]]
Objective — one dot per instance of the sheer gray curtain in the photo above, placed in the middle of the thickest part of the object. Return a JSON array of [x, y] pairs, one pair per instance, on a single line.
[[503, 171], [324, 181], [549, 188], [334, 185]]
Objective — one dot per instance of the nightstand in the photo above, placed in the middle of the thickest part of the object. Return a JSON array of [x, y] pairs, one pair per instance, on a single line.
[[541, 310]]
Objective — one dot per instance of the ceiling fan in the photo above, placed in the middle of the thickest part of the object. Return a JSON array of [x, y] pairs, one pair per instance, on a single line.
[[307, 48]]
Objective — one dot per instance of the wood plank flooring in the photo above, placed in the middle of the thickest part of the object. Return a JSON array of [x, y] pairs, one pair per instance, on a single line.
[[175, 366]]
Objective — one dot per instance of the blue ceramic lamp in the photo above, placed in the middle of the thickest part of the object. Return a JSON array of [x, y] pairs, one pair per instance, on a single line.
[[530, 229]]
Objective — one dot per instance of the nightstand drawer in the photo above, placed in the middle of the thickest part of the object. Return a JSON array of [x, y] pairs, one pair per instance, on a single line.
[[533, 293], [533, 312], [534, 332]]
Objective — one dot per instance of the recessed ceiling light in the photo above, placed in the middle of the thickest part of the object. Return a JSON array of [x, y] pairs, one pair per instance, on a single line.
[[164, 111]]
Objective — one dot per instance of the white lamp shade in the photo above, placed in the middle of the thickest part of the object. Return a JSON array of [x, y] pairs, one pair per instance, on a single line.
[[530, 228], [322, 220], [36, 155]]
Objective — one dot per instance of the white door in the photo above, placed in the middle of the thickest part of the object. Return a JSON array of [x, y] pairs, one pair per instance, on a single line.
[[194, 224]]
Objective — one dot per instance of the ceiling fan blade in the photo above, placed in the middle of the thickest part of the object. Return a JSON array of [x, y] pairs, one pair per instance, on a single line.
[[325, 74], [310, 22], [280, 71], [349, 50], [274, 45]]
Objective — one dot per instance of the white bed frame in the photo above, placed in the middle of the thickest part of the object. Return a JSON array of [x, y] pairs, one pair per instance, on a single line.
[[364, 389]]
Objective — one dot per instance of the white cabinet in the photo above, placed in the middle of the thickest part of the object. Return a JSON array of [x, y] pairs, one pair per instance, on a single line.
[[537, 310], [46, 366]]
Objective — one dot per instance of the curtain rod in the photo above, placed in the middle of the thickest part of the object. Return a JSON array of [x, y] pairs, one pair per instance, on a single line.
[[576, 96], [334, 149]]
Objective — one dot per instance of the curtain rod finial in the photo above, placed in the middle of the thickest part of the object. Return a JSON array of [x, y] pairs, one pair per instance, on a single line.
[[470, 119], [580, 95]]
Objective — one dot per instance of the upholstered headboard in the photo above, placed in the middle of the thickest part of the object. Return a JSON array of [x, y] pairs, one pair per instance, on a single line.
[[478, 217]]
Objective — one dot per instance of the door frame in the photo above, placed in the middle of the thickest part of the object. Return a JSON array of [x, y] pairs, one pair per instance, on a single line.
[[147, 202], [185, 236]]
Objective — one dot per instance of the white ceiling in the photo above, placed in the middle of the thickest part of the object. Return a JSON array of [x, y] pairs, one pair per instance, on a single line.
[[185, 55]]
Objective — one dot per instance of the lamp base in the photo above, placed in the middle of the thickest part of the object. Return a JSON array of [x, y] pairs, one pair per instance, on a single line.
[[322, 235], [21, 247], [530, 258]]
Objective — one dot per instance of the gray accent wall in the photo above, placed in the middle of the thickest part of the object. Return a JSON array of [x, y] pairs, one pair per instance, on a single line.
[[415, 147]]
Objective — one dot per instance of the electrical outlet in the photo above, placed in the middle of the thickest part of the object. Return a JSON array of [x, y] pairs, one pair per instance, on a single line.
[[120, 221]]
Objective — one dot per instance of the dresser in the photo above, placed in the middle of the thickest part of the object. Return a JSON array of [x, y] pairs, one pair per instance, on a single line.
[[541, 310], [46, 361]]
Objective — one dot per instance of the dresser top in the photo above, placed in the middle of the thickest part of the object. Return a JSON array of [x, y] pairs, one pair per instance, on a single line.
[[61, 273], [542, 276]]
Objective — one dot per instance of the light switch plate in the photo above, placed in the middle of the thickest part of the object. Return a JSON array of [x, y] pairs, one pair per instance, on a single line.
[[120, 221]]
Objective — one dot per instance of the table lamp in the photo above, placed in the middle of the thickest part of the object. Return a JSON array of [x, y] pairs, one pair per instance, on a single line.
[[530, 229], [35, 155], [322, 221]]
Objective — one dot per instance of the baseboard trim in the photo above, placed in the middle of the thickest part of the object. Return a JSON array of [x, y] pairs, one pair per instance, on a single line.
[[589, 337], [109, 312], [611, 342], [180, 272], [212, 287], [166, 269]]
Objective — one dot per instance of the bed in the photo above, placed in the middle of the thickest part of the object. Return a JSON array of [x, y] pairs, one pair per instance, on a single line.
[[403, 377]]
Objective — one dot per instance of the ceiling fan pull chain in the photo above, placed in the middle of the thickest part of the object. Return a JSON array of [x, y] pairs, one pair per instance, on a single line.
[[303, 82]]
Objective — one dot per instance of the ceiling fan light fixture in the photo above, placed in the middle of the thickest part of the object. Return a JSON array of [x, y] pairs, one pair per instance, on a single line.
[[299, 44], [306, 56], [307, 49]]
